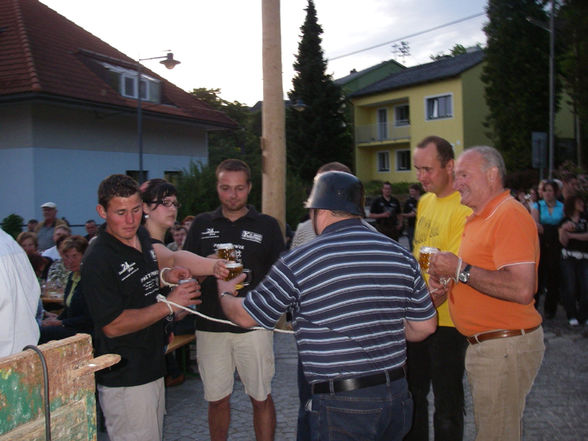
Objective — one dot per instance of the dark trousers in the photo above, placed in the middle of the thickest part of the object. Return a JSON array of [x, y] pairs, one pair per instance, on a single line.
[[575, 284], [438, 360]]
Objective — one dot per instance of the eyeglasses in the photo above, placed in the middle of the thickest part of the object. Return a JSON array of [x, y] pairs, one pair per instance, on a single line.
[[167, 203]]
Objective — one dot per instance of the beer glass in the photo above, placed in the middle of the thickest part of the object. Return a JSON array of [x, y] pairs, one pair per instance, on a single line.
[[425, 254], [226, 251]]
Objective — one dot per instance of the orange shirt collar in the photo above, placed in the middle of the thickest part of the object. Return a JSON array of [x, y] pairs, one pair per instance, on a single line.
[[491, 206]]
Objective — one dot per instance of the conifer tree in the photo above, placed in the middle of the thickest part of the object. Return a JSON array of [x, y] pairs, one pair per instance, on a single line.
[[319, 133]]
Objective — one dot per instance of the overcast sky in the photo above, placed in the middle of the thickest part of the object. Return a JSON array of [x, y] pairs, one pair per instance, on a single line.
[[219, 41]]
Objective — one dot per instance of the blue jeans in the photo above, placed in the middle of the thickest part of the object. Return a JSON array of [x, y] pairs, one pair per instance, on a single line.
[[437, 361], [575, 281], [375, 413], [303, 424]]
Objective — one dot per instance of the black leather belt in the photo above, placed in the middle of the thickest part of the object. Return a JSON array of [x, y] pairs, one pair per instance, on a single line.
[[349, 384]]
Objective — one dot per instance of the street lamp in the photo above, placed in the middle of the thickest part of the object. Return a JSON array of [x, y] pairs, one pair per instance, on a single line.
[[551, 30], [169, 62]]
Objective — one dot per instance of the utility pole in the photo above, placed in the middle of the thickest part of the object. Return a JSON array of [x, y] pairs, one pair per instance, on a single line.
[[273, 139]]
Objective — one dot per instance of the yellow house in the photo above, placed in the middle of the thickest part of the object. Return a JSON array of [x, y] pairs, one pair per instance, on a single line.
[[444, 98]]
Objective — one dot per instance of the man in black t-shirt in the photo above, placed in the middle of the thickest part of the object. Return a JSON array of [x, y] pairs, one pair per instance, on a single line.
[[386, 211], [120, 283], [410, 210], [258, 241]]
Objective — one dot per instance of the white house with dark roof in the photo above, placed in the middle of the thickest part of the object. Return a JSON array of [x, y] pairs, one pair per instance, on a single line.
[[68, 115]]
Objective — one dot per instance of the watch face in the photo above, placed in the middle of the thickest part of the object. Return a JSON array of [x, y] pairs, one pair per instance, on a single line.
[[464, 277]]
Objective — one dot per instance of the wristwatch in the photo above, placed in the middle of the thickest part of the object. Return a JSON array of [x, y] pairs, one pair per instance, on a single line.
[[464, 276]]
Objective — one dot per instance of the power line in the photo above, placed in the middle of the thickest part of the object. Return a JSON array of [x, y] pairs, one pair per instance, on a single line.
[[408, 36]]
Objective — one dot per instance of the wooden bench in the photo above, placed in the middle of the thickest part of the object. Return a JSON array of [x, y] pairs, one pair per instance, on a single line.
[[179, 341]]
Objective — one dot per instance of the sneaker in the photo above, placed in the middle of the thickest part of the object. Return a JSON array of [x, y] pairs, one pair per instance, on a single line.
[[573, 322]]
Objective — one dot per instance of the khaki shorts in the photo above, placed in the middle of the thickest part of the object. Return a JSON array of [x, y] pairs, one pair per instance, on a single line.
[[219, 353], [133, 413]]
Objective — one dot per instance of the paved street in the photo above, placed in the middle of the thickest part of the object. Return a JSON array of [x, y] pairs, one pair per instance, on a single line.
[[556, 408]]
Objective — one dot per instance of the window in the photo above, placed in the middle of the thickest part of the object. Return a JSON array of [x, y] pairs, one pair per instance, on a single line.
[[125, 81], [135, 174], [382, 124], [403, 160], [383, 161], [129, 84], [438, 107], [401, 116], [172, 176]]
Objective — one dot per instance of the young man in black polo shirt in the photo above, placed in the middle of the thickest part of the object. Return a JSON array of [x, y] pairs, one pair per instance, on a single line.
[[258, 242], [121, 282]]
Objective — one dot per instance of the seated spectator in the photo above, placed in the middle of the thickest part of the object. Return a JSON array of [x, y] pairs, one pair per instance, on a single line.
[[44, 230], [61, 231], [31, 225], [75, 317], [28, 242], [58, 273], [179, 233], [91, 229], [41, 266]]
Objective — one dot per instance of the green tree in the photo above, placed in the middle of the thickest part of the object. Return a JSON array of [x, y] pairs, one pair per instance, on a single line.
[[12, 224], [458, 49], [197, 184], [320, 133], [571, 32], [516, 78]]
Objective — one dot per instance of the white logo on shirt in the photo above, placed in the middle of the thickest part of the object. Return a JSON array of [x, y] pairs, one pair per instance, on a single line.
[[210, 233], [251, 236], [127, 269]]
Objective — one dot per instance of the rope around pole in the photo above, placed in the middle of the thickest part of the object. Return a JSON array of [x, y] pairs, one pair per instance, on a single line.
[[162, 299]]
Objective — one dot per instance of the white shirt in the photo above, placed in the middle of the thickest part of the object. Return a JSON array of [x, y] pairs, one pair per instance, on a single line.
[[51, 253], [19, 297]]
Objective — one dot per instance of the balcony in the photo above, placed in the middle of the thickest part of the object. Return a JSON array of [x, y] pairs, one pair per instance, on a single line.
[[381, 133]]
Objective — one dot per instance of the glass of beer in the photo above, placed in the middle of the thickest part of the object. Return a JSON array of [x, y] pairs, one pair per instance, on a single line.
[[226, 251], [425, 254], [235, 268]]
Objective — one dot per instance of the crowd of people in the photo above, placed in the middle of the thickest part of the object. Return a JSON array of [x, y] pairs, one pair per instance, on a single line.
[[375, 330]]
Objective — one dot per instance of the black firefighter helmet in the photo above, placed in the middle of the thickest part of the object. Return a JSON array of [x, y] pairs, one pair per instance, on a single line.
[[337, 191]]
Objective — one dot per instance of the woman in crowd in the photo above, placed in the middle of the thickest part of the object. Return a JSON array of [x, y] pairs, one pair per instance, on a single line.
[[548, 214], [573, 236], [28, 241], [75, 317], [160, 208]]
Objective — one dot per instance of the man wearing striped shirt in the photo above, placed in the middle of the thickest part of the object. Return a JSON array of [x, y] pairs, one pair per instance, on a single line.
[[357, 296]]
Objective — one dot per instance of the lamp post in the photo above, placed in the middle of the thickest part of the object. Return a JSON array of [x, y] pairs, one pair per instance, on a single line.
[[169, 62], [551, 30]]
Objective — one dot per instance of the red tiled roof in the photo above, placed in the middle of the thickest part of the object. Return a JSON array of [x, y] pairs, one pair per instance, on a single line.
[[43, 53]]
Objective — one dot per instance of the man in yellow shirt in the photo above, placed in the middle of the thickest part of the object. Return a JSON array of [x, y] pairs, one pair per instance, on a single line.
[[438, 360]]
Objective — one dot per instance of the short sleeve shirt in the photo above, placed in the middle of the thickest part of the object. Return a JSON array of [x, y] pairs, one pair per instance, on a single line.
[[258, 243], [503, 234], [118, 277]]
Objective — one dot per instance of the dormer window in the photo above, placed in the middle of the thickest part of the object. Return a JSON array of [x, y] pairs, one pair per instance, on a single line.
[[125, 80], [129, 87]]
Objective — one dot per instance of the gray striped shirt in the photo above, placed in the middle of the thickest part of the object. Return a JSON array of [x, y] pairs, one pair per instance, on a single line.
[[350, 290]]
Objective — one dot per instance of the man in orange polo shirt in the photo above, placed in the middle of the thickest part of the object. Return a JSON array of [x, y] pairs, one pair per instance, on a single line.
[[492, 302]]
